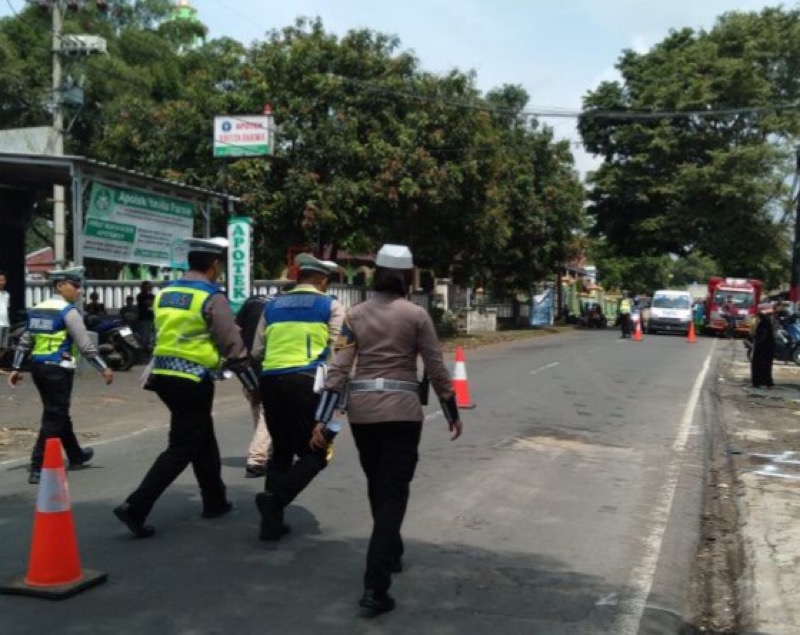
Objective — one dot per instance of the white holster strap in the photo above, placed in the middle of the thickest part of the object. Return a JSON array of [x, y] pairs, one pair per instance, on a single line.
[[383, 385]]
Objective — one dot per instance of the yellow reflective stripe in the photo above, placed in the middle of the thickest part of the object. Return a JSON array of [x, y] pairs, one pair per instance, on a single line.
[[175, 373]]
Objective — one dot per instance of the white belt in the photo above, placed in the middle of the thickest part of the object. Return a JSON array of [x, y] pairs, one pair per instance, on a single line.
[[383, 385]]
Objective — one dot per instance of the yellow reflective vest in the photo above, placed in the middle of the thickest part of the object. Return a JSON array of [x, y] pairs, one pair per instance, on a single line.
[[47, 324], [184, 347], [296, 337]]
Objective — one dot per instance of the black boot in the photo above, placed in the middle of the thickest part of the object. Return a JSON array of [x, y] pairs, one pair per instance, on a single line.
[[136, 525], [377, 602]]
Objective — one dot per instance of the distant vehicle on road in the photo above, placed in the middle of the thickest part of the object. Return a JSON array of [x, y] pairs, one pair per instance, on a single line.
[[670, 311], [745, 295]]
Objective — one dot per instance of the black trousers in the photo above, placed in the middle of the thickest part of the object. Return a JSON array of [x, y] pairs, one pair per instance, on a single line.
[[191, 441], [55, 388], [625, 324], [290, 406], [388, 453]]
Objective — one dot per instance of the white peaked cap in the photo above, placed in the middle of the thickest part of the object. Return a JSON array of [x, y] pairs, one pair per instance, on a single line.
[[395, 257], [216, 246]]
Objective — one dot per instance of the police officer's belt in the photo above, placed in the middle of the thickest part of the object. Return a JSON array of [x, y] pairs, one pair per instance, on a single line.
[[383, 385]]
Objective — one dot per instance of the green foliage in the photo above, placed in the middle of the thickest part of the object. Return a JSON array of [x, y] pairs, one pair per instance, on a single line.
[[716, 185], [371, 149]]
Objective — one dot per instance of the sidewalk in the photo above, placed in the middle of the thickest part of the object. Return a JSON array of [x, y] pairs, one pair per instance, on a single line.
[[762, 430]]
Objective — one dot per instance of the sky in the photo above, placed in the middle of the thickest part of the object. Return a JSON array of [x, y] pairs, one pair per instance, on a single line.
[[556, 49]]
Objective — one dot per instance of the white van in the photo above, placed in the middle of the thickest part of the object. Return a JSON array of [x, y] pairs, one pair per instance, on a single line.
[[670, 311]]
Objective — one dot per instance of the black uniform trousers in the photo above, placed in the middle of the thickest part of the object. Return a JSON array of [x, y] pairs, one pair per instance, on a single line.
[[54, 384], [388, 453], [290, 406], [625, 324], [191, 441]]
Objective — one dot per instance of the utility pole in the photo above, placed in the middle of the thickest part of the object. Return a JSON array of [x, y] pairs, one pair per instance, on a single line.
[[795, 275], [59, 214]]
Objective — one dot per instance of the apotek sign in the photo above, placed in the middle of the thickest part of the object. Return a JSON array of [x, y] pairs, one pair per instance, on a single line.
[[239, 260], [246, 136]]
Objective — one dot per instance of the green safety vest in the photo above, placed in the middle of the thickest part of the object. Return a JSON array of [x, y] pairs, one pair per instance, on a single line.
[[47, 324], [184, 347], [296, 337], [625, 306]]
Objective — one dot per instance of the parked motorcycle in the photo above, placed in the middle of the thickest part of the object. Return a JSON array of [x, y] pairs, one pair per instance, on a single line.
[[117, 344], [14, 334], [786, 349]]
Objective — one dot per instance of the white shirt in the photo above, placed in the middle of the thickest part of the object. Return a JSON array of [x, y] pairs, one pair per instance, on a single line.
[[5, 298]]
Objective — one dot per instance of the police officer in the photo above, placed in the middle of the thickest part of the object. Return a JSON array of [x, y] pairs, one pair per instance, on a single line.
[[296, 331], [386, 333], [195, 331], [54, 336]]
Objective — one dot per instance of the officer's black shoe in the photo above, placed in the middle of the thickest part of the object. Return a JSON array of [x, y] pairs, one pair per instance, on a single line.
[[217, 511], [139, 529], [272, 527], [88, 455], [255, 471], [377, 602], [34, 477]]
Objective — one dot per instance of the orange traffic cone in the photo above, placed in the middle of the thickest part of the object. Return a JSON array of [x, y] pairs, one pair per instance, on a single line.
[[637, 332], [54, 568], [460, 384], [691, 337]]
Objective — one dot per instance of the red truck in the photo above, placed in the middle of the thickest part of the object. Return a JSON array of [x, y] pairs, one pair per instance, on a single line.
[[745, 294]]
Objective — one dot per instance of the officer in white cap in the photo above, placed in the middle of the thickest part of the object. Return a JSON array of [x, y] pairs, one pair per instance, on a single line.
[[195, 334], [293, 340], [54, 336], [386, 334]]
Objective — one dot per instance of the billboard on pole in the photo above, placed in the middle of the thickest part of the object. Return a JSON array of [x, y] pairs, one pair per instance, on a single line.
[[245, 136]]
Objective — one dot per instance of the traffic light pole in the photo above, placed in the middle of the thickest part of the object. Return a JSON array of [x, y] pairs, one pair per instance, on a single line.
[[795, 275]]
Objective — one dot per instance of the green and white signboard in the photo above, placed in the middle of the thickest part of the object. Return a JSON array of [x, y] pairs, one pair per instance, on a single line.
[[239, 260], [135, 226], [245, 136]]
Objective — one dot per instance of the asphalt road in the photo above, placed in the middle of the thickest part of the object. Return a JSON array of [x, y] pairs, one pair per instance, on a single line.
[[570, 505]]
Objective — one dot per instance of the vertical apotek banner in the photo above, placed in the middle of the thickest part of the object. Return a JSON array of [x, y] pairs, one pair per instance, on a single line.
[[239, 260]]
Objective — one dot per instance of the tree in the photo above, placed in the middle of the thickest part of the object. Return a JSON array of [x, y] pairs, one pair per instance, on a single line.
[[714, 184]]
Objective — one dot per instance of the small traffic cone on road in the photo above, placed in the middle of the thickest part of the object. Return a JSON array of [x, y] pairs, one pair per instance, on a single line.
[[54, 568], [637, 332], [691, 337], [460, 383]]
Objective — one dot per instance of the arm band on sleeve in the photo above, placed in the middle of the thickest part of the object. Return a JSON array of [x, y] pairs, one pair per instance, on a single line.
[[247, 376], [328, 401], [98, 363], [450, 409], [19, 359]]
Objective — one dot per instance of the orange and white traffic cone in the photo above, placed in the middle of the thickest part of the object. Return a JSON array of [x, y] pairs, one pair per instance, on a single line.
[[460, 383], [54, 568], [691, 338], [637, 332]]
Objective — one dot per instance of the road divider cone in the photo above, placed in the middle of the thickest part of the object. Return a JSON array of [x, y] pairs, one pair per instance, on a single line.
[[637, 331], [460, 383], [54, 568], [691, 336]]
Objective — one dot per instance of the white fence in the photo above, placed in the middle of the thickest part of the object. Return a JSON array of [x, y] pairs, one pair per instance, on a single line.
[[112, 293]]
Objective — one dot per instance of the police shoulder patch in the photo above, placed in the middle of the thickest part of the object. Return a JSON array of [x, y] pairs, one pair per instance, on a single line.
[[346, 337]]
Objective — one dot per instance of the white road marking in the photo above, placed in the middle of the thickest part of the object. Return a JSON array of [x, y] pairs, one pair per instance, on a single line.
[[433, 415], [545, 367], [607, 600], [629, 618]]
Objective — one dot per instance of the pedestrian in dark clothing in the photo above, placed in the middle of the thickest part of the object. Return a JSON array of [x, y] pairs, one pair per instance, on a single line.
[[763, 351]]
